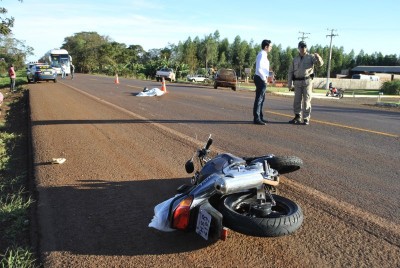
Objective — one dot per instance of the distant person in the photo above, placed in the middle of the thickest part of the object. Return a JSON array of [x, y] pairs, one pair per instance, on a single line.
[[260, 80], [72, 69], [11, 74], [63, 70], [1, 100], [332, 90], [301, 74]]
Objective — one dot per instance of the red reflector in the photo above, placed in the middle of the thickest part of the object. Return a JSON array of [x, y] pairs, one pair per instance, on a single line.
[[224, 234], [182, 214]]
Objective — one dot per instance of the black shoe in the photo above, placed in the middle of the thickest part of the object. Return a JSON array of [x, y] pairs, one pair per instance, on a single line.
[[295, 120], [306, 122], [263, 120], [258, 122]]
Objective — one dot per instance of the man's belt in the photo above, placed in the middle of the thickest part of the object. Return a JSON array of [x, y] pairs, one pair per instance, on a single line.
[[301, 78]]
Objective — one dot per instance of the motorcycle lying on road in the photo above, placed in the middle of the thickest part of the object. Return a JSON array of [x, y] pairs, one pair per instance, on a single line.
[[230, 192], [335, 92]]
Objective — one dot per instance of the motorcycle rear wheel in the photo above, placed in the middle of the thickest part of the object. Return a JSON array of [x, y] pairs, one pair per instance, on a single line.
[[286, 217], [285, 164]]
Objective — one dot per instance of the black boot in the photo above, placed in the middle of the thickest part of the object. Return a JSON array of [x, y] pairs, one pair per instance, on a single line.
[[295, 120]]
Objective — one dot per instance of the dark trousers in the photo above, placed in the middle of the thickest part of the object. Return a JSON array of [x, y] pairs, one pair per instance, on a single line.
[[12, 84], [261, 88]]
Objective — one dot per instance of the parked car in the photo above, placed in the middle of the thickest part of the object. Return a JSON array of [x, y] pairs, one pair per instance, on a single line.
[[40, 72], [197, 78], [365, 77], [225, 78], [167, 73]]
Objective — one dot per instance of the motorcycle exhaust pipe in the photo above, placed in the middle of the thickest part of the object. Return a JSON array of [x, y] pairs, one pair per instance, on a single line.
[[230, 185]]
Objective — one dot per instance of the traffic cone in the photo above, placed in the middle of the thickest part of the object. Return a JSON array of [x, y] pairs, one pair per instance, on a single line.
[[163, 87], [116, 81]]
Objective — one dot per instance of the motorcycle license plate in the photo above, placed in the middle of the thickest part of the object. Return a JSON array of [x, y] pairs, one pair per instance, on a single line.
[[203, 223]]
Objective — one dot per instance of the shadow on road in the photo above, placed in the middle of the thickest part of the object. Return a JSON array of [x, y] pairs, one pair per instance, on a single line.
[[100, 217]]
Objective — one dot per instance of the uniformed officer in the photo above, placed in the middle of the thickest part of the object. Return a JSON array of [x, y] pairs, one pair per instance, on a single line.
[[301, 73]]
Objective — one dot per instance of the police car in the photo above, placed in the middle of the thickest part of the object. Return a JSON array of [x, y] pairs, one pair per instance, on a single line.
[[40, 72]]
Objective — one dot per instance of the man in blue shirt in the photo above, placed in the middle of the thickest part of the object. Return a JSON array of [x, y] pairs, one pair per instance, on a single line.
[[260, 80]]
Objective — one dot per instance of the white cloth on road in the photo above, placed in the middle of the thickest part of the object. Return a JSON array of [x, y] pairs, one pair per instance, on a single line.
[[151, 92], [160, 219]]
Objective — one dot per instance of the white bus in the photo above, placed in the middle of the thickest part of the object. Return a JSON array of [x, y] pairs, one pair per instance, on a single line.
[[56, 57]]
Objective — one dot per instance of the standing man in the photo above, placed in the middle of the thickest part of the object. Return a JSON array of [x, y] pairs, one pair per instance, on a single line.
[[72, 71], [63, 70], [260, 80], [301, 74], [11, 74]]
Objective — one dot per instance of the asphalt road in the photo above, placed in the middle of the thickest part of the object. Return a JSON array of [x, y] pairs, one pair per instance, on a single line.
[[125, 154]]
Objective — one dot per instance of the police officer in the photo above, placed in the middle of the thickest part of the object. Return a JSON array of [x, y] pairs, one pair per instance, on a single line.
[[301, 73]]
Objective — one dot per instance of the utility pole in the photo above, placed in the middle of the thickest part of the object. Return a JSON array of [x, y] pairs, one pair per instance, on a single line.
[[330, 56], [303, 36]]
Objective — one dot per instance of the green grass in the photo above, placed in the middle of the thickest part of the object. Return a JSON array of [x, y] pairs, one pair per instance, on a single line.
[[19, 81], [271, 88], [17, 257], [15, 200], [361, 92]]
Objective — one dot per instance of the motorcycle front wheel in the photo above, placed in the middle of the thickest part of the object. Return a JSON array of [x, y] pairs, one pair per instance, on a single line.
[[284, 218]]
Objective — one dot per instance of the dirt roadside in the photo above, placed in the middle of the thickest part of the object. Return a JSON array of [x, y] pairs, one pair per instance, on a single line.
[[94, 209]]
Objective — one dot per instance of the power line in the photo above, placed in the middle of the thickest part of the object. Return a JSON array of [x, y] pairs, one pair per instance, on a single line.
[[330, 56]]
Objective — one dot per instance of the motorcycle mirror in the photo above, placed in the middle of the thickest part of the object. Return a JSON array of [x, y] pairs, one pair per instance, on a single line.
[[209, 142], [189, 166]]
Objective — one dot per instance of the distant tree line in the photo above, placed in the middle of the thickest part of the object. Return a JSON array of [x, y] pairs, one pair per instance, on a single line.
[[93, 53], [12, 51]]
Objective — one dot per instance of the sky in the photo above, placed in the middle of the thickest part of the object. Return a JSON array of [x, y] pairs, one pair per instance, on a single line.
[[371, 26]]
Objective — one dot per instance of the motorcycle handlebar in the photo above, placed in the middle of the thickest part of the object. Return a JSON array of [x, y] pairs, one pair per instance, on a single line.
[[209, 142], [204, 151], [201, 153]]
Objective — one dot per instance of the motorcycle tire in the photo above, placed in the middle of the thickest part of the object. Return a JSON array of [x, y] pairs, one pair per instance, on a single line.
[[286, 217], [340, 95], [285, 164]]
